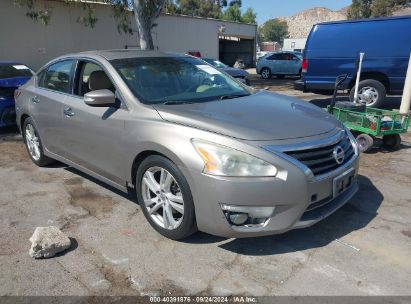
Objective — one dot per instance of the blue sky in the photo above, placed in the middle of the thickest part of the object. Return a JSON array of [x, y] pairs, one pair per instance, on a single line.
[[267, 9]]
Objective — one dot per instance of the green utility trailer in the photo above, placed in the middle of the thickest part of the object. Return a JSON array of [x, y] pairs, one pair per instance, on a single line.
[[371, 123]]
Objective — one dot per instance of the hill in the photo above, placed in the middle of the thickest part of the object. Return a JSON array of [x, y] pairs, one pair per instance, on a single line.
[[299, 25]]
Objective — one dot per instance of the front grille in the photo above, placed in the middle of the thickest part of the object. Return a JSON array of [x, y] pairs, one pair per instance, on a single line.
[[321, 160]]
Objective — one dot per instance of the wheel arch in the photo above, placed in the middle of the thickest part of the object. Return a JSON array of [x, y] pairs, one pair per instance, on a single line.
[[22, 119], [379, 76], [155, 149]]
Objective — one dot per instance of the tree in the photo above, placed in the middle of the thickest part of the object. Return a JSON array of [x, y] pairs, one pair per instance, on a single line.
[[381, 8], [145, 13], [233, 13], [200, 8], [235, 2], [374, 8], [274, 30], [359, 9], [249, 16], [170, 7]]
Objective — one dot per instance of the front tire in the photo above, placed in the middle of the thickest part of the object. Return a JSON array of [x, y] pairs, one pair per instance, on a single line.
[[34, 144], [165, 198], [265, 73], [370, 92]]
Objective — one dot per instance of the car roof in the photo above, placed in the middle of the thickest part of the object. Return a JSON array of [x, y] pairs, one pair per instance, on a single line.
[[126, 53]]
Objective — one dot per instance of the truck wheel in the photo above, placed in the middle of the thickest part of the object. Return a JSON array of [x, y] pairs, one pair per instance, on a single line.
[[370, 92], [392, 142], [365, 142], [265, 73]]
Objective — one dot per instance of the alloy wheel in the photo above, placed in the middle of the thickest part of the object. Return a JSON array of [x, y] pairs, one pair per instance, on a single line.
[[368, 95], [265, 73], [32, 142], [162, 198]]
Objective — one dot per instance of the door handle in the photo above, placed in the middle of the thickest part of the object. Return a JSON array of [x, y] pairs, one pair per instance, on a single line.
[[68, 112], [35, 99]]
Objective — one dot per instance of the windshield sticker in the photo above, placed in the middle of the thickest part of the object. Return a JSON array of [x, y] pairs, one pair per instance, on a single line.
[[20, 67], [208, 69]]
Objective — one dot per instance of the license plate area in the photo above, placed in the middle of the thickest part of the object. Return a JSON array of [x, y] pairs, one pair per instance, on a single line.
[[343, 182]]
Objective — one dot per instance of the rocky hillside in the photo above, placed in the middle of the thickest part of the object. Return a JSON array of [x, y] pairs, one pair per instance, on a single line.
[[402, 11], [299, 25]]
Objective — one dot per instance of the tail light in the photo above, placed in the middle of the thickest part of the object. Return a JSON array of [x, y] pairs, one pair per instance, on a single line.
[[304, 66], [16, 94]]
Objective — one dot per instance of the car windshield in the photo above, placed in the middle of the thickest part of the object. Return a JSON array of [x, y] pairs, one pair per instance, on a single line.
[[175, 80], [216, 63], [14, 70]]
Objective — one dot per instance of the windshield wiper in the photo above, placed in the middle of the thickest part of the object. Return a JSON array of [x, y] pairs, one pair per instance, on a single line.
[[233, 96], [176, 102]]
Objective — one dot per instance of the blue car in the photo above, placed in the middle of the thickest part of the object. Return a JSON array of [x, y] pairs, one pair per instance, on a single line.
[[332, 49], [280, 64], [12, 75], [238, 74]]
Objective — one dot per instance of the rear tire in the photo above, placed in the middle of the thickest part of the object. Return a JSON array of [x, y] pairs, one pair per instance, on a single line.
[[265, 73], [370, 92], [167, 206], [365, 142], [34, 144], [392, 142]]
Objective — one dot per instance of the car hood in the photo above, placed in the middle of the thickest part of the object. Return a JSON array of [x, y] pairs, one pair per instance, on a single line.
[[260, 116], [13, 82], [235, 72]]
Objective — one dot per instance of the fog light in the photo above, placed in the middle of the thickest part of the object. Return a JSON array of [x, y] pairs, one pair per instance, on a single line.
[[251, 211], [238, 218]]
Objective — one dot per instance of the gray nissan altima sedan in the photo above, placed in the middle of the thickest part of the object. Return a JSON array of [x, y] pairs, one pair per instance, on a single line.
[[200, 150]]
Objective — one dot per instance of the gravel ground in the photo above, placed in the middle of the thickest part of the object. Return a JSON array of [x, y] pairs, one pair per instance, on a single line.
[[363, 249]]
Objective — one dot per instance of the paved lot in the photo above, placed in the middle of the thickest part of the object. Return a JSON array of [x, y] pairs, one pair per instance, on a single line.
[[363, 249]]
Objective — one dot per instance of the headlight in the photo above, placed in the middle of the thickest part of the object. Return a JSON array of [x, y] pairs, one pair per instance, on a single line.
[[225, 161]]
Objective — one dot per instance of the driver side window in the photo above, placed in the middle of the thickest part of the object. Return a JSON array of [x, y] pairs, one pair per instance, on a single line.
[[92, 77]]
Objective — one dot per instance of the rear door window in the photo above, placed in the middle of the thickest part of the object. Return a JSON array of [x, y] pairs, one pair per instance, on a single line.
[[57, 77], [278, 56]]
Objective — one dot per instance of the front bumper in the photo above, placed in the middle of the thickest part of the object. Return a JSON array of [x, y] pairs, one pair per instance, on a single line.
[[7, 116], [291, 198]]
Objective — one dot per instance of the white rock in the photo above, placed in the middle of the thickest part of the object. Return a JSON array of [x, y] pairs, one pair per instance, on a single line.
[[47, 241]]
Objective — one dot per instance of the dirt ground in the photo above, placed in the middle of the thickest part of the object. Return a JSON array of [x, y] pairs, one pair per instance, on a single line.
[[363, 249]]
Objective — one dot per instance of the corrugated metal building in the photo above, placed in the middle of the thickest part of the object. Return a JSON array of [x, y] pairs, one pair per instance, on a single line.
[[32, 43]]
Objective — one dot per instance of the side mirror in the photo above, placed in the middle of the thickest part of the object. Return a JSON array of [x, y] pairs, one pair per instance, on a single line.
[[100, 98]]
